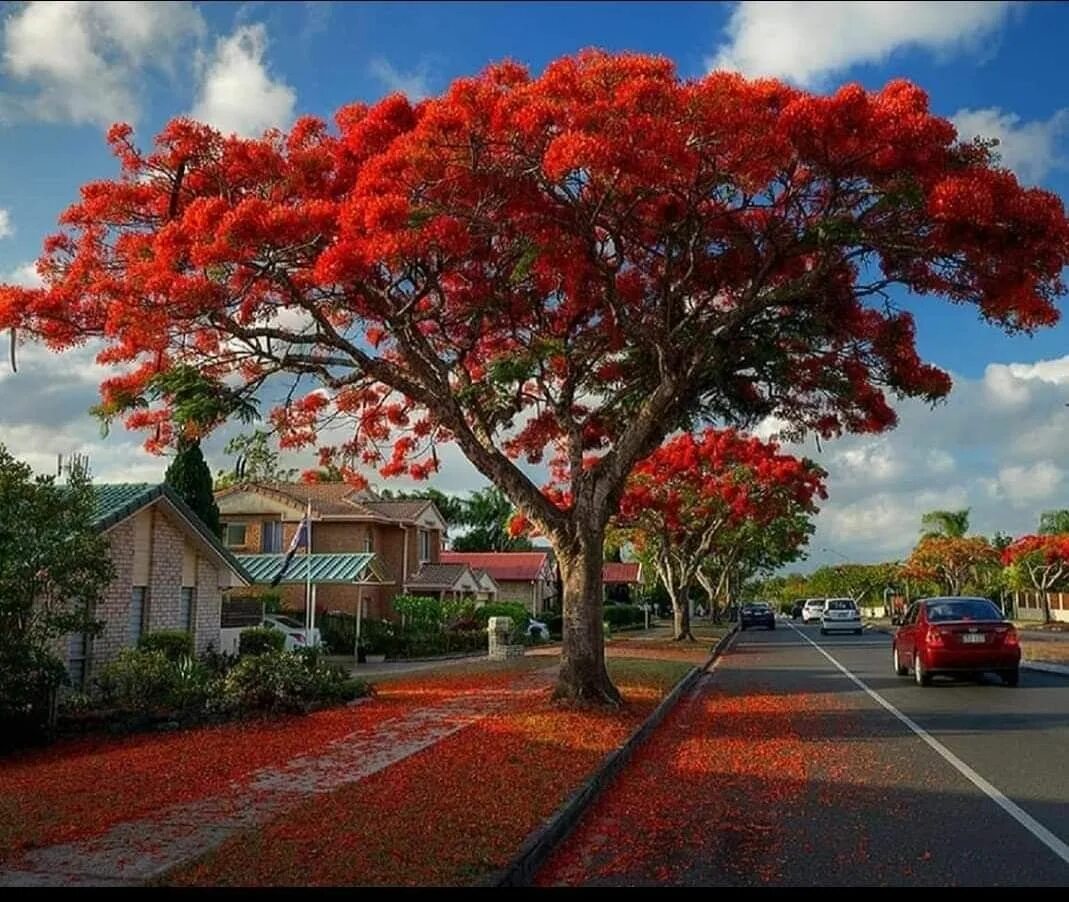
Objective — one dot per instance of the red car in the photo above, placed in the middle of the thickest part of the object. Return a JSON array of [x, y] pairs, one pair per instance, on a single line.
[[956, 636]]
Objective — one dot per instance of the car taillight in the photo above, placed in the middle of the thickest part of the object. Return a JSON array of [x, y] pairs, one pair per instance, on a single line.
[[934, 637], [1011, 637]]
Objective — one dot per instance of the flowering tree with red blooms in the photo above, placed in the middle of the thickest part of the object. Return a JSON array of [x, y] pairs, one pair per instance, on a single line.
[[1041, 562], [696, 493], [951, 562], [574, 264]]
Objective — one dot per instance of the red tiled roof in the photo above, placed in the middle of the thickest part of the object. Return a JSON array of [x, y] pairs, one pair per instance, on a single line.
[[613, 572], [501, 565]]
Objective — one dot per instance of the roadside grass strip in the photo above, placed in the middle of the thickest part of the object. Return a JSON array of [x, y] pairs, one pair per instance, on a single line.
[[447, 815]]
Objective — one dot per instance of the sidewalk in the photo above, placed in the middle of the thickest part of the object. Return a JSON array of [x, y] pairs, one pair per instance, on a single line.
[[137, 851]]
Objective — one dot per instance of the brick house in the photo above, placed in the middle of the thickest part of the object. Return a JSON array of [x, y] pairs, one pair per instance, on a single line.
[[453, 581], [527, 577], [170, 574], [261, 518], [620, 580]]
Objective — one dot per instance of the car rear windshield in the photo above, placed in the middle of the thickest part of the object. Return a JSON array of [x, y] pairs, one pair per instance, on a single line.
[[971, 609], [840, 604], [814, 604]]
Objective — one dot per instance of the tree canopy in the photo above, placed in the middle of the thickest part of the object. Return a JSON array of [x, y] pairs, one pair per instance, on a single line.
[[571, 266]]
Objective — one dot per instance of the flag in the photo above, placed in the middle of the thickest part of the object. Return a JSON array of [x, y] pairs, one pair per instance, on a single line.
[[300, 540]]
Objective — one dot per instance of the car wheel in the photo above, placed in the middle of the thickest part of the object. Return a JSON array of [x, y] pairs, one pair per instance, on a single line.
[[1011, 677], [823, 631], [772, 626], [896, 664], [857, 632], [921, 675]]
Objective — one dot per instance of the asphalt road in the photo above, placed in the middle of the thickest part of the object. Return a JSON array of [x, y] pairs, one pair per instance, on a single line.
[[846, 791]]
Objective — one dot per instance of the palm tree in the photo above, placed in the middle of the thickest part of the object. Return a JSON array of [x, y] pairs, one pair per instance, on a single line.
[[951, 524], [1053, 523], [487, 514]]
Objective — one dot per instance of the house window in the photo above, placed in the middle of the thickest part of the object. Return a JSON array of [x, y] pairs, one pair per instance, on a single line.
[[235, 535], [424, 546], [369, 546], [76, 658], [271, 537], [136, 624], [185, 609]]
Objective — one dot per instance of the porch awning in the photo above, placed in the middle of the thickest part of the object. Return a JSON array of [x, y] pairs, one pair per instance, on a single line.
[[327, 569]]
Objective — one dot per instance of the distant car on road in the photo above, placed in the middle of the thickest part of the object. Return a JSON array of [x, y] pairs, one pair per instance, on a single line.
[[840, 615], [758, 613], [296, 634], [956, 636], [812, 610], [536, 629]]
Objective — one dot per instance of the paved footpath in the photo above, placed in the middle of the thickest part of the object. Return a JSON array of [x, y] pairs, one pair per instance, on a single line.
[[803, 761], [136, 851]]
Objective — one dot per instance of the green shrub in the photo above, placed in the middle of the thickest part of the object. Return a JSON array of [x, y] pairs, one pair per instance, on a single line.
[[618, 615], [418, 613], [513, 609], [283, 681], [30, 677], [258, 640], [138, 680], [175, 644], [429, 645]]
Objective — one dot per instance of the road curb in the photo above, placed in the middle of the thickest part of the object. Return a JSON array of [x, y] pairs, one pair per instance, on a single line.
[[1044, 667], [541, 842]]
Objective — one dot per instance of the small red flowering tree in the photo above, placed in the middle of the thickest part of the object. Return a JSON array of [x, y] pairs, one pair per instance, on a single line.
[[696, 494], [951, 562], [578, 263], [1040, 561]]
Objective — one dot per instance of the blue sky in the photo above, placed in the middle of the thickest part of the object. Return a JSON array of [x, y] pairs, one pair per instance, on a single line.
[[995, 68]]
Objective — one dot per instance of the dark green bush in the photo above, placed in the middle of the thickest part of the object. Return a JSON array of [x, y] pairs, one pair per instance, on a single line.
[[30, 678], [283, 681], [258, 640], [138, 680], [617, 615], [429, 645], [175, 644], [554, 623]]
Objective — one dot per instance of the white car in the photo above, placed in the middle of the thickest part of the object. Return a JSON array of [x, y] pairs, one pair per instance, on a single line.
[[840, 614], [296, 634], [536, 629], [812, 610]]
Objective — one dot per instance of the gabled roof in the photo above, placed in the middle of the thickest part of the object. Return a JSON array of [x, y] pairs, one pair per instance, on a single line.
[[337, 500], [510, 566], [398, 510], [326, 568], [116, 502], [485, 580], [615, 572], [440, 576]]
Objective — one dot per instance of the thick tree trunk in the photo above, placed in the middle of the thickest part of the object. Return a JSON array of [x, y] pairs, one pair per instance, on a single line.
[[583, 676], [681, 618]]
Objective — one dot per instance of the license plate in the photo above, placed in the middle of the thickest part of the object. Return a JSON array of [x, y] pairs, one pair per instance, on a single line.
[[973, 638]]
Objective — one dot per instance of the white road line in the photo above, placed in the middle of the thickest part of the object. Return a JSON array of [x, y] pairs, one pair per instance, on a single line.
[[1014, 810]]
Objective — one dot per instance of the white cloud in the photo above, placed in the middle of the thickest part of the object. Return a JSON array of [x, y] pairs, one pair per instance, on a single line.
[[414, 85], [6, 228], [1031, 149], [1025, 486], [808, 42], [24, 274], [237, 93], [82, 62]]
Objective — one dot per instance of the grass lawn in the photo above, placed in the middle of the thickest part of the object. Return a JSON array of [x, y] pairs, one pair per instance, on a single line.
[[446, 815], [80, 787], [1048, 652]]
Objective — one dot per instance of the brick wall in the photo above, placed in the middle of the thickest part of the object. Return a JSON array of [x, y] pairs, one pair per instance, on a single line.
[[207, 606], [114, 608], [165, 574]]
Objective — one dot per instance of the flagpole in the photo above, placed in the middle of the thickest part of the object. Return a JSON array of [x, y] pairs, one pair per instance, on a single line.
[[309, 601]]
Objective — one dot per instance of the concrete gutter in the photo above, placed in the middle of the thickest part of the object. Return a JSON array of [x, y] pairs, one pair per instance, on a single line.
[[540, 843]]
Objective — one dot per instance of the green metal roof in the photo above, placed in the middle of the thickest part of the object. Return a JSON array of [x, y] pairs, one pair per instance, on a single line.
[[118, 500], [326, 568]]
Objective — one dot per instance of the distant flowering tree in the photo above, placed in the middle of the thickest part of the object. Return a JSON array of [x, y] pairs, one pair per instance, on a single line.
[[951, 562], [1040, 561], [576, 265], [695, 493]]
